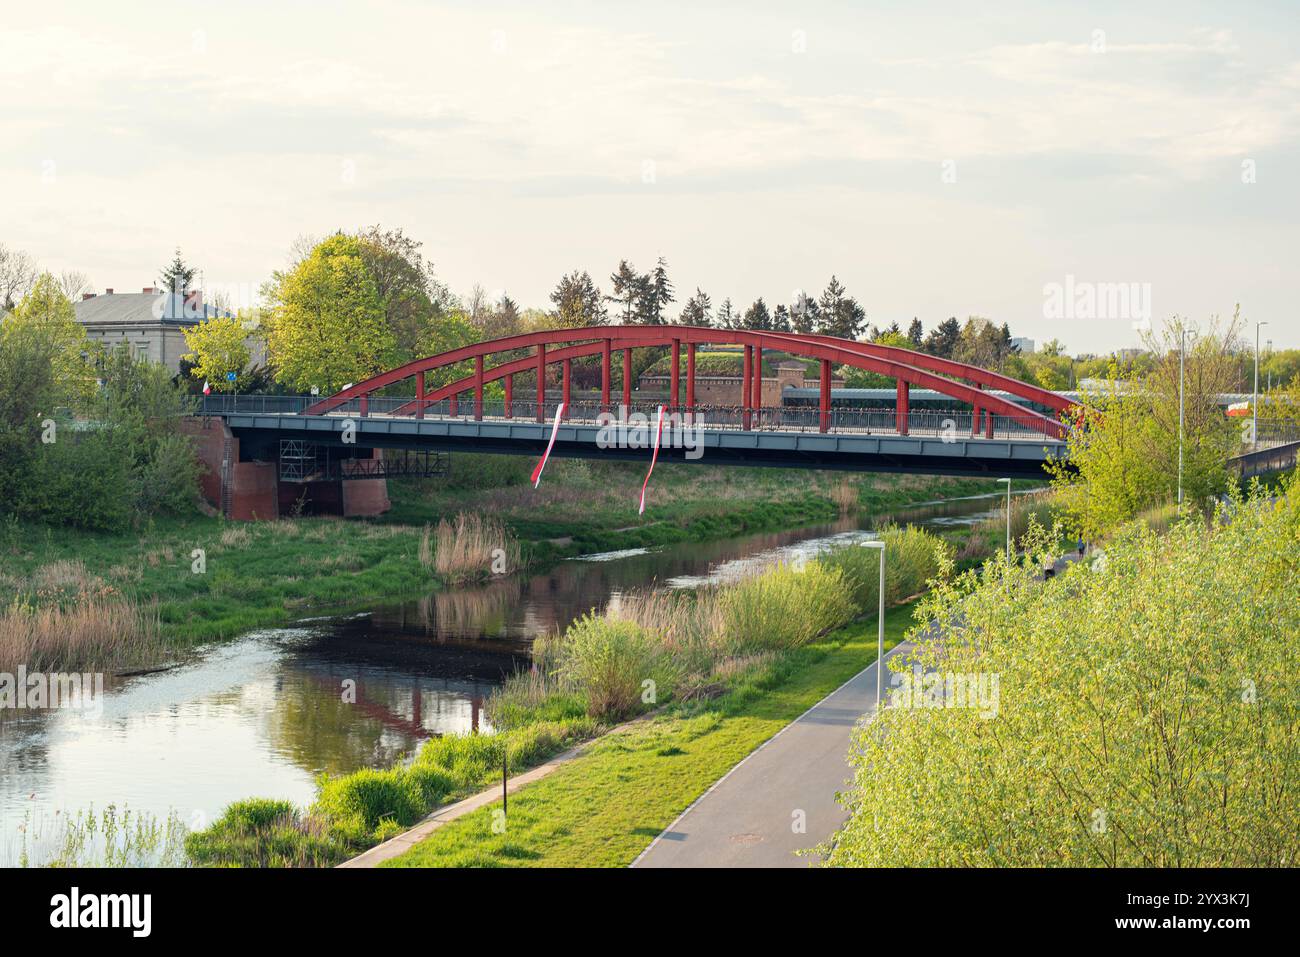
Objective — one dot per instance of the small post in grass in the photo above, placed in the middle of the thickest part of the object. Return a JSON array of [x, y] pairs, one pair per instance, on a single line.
[[505, 766], [880, 626]]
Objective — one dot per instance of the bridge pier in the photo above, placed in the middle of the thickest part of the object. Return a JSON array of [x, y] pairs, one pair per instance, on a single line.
[[419, 395], [510, 395], [900, 407], [248, 489], [756, 385]]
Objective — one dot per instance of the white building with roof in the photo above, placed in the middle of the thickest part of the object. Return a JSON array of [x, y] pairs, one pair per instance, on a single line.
[[150, 322]]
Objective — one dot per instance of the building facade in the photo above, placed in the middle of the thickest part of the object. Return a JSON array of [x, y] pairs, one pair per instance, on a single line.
[[150, 322]]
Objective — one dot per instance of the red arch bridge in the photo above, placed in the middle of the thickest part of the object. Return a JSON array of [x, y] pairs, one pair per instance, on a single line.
[[451, 401]]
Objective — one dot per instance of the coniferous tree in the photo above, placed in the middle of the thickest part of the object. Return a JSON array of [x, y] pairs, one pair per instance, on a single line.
[[804, 314], [840, 314], [757, 316], [915, 333], [177, 276], [781, 318], [578, 301], [697, 310], [942, 339], [727, 318], [628, 290], [657, 294]]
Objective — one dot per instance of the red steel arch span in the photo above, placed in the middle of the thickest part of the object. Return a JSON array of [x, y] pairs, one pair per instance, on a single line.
[[957, 380]]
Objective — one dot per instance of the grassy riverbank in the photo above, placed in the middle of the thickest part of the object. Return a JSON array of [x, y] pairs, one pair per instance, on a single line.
[[255, 575], [603, 808], [700, 655]]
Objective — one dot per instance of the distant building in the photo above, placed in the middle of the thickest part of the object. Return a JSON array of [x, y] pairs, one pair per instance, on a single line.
[[1023, 345], [150, 322]]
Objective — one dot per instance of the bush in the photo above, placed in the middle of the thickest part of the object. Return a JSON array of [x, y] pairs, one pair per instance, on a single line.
[[1146, 716], [260, 832], [356, 804], [784, 608], [608, 660], [913, 558]]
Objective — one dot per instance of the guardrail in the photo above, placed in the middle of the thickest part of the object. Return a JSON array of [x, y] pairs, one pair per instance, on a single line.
[[952, 425]]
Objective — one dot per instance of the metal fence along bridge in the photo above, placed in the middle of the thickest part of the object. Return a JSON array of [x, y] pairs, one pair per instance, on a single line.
[[997, 424]]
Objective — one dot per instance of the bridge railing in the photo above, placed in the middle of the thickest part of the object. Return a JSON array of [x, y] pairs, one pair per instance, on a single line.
[[940, 424]]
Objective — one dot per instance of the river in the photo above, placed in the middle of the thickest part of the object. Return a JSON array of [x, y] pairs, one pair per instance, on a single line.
[[264, 714]]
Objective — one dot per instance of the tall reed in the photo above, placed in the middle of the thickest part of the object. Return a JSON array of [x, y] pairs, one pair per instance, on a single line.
[[470, 547], [88, 632]]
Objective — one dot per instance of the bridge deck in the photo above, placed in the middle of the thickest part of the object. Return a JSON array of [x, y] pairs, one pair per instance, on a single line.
[[939, 447]]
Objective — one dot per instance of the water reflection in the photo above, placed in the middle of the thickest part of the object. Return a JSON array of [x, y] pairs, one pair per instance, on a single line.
[[265, 714]]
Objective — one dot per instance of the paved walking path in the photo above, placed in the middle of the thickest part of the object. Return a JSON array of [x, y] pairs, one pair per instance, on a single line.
[[747, 818]]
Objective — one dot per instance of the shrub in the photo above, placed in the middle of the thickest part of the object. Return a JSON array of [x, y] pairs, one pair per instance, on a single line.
[[607, 660], [913, 557], [355, 804], [260, 832], [783, 607], [1147, 712]]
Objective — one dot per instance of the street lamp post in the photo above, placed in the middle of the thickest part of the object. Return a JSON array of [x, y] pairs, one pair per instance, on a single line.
[[880, 627], [1182, 353], [1254, 405]]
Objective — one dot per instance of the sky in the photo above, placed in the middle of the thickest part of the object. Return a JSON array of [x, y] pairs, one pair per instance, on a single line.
[[1072, 172]]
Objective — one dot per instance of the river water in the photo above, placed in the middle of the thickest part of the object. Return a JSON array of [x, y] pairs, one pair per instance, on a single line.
[[264, 714]]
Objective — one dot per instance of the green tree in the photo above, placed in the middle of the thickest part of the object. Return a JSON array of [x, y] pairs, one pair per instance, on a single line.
[[326, 325], [1123, 457], [757, 317], [410, 294], [943, 338], [628, 290], [578, 301], [177, 276], [839, 313], [218, 347], [1144, 713], [46, 315], [697, 310], [658, 293]]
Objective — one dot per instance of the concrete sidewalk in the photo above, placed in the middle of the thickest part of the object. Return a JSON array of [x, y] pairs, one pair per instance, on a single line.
[[749, 817]]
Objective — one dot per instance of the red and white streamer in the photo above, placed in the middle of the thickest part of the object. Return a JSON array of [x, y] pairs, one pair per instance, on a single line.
[[555, 430], [659, 432]]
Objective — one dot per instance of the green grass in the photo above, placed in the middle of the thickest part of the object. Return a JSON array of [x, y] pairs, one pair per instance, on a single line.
[[264, 574], [257, 574], [604, 808]]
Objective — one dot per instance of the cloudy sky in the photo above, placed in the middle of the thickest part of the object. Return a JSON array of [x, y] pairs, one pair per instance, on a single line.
[[939, 160]]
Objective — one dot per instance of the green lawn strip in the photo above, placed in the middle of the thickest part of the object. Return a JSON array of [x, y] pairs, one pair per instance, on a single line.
[[604, 808]]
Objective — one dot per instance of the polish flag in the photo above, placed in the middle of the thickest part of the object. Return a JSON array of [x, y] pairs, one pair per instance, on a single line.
[[555, 429], [659, 434], [207, 389]]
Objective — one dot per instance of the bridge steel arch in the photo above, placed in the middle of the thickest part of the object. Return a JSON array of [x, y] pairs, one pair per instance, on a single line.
[[957, 380]]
